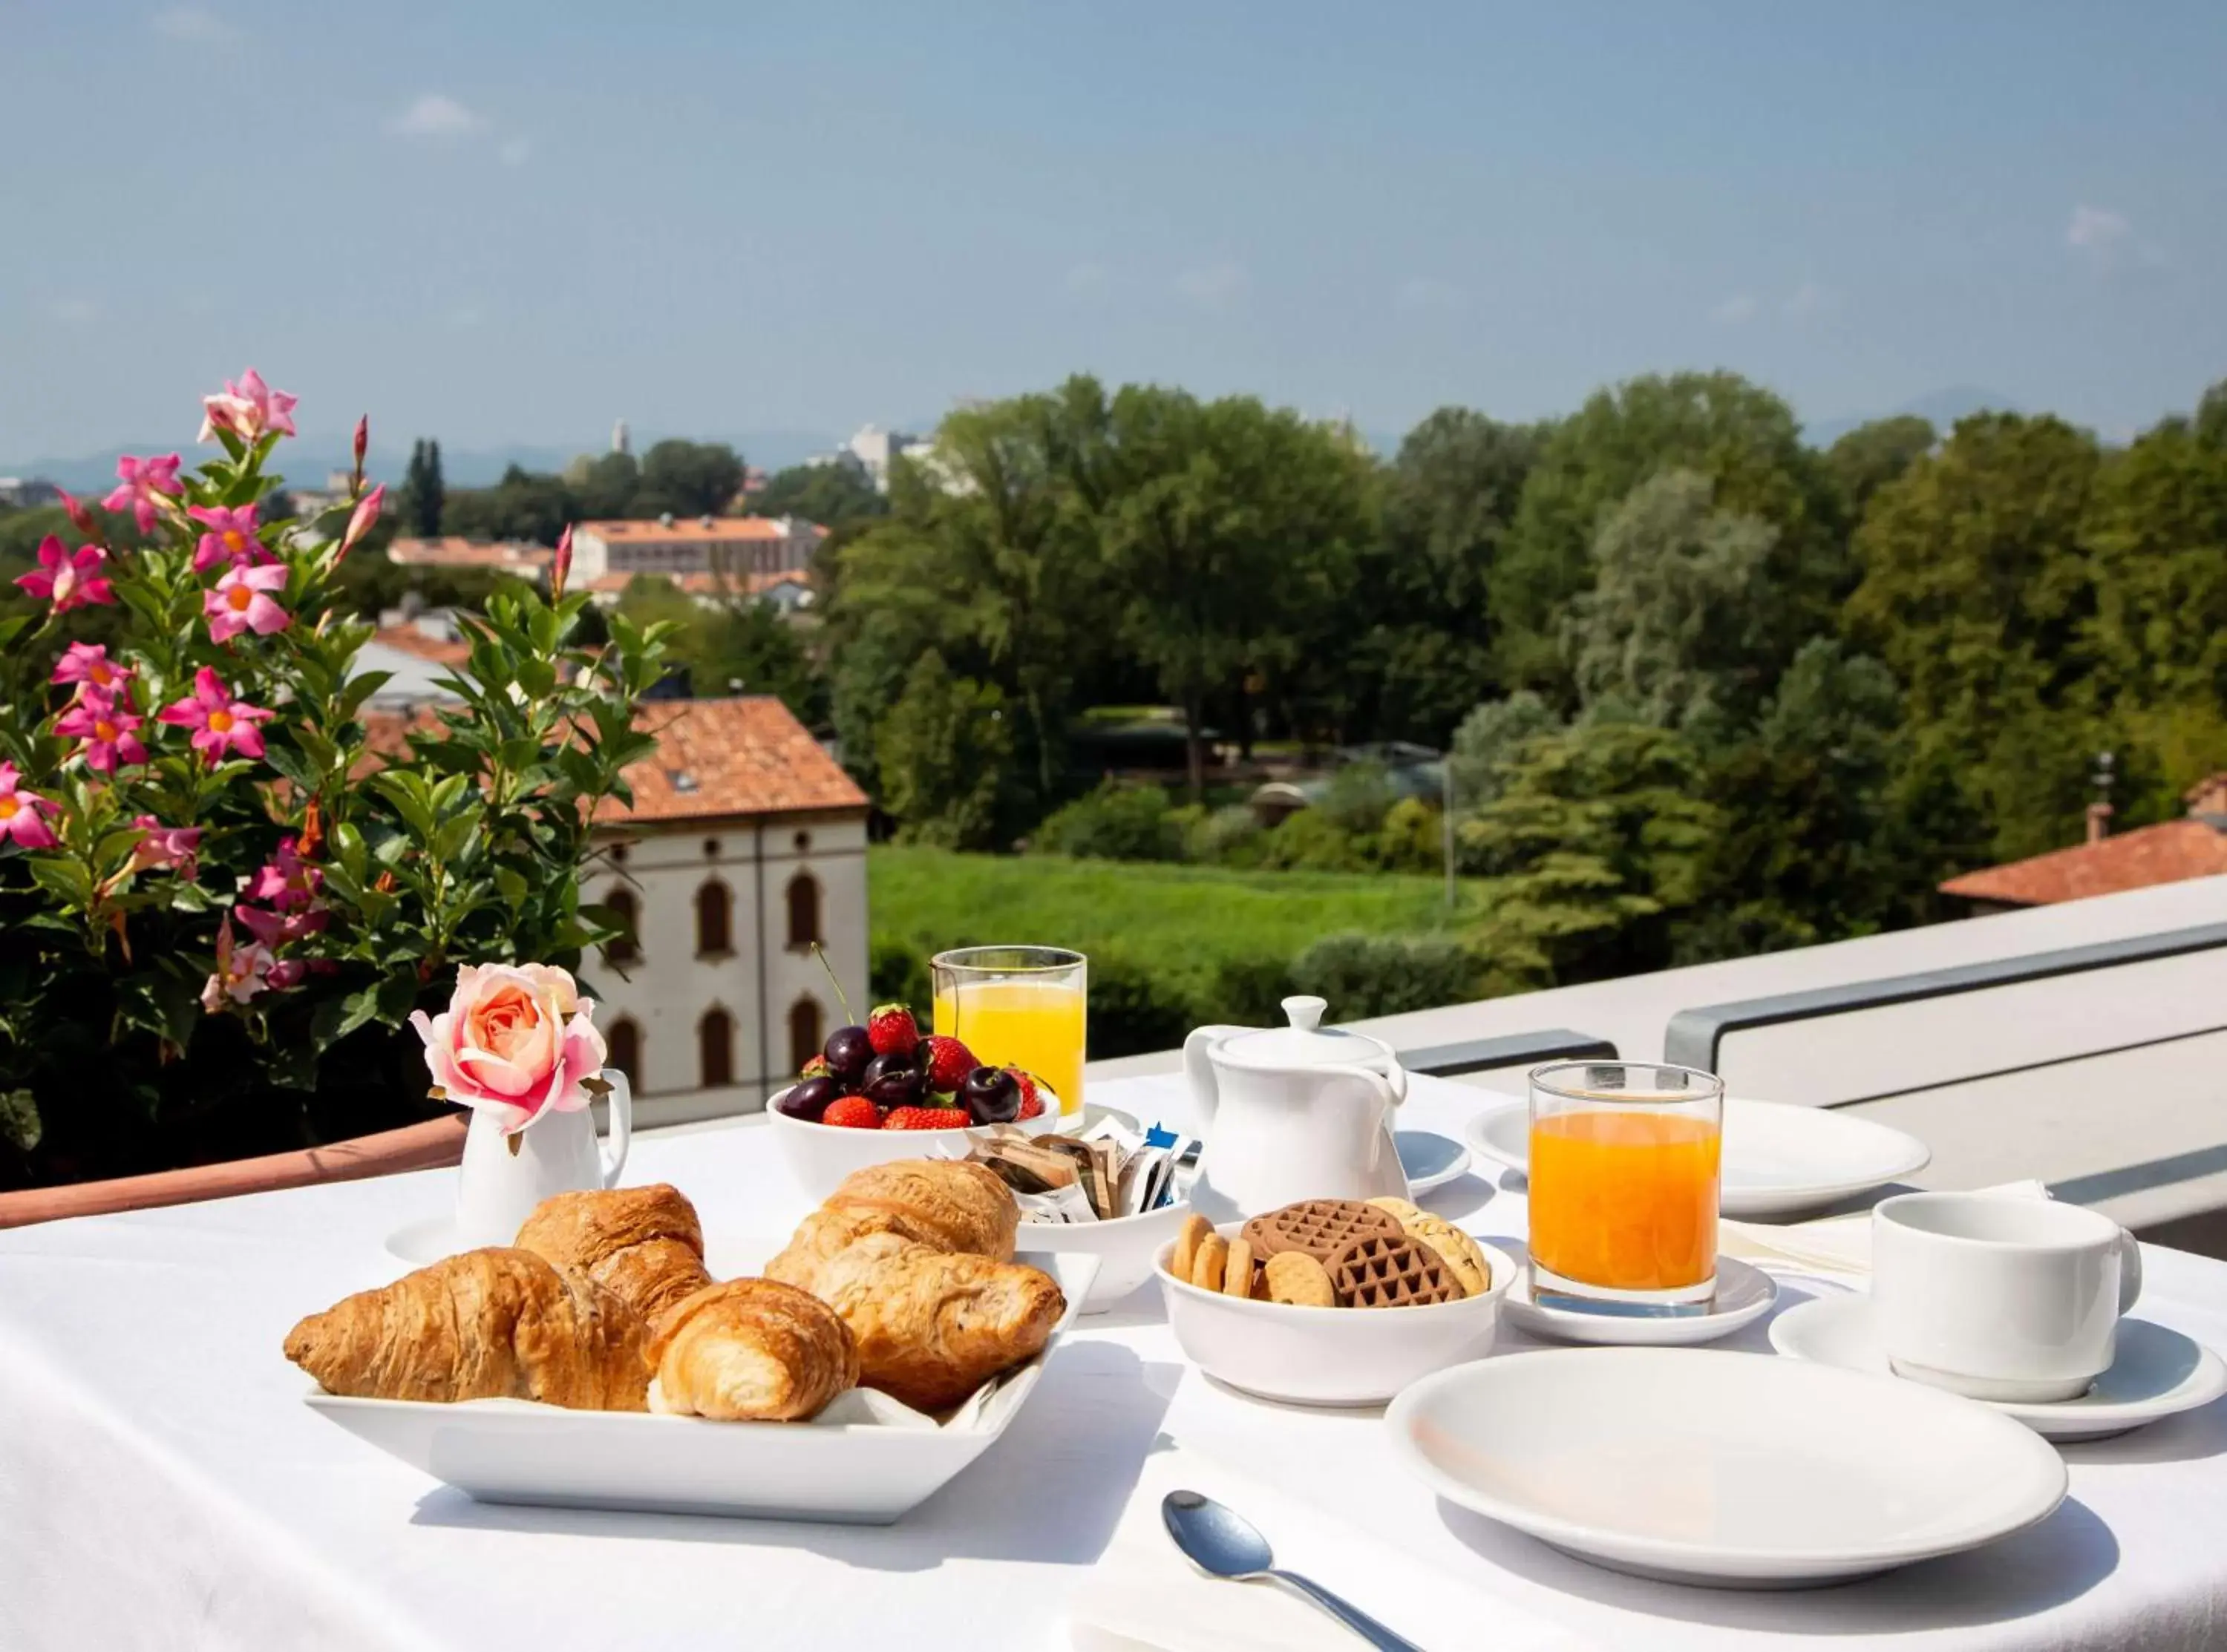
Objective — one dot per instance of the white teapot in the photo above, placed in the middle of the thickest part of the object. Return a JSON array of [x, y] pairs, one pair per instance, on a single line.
[[1300, 1112]]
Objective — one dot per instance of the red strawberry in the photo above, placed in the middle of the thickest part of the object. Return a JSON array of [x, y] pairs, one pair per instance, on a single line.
[[947, 1061], [853, 1112], [816, 1068], [1031, 1102], [925, 1119], [892, 1031]]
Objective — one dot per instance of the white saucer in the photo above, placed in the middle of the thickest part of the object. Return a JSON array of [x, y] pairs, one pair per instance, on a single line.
[[2158, 1372], [1744, 1294], [1778, 1159], [422, 1243], [1430, 1160]]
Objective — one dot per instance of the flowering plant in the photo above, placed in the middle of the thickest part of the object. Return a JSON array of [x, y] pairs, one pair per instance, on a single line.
[[225, 886], [516, 1039]]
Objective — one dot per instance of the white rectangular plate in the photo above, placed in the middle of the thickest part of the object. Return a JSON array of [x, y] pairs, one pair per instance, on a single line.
[[857, 1473]]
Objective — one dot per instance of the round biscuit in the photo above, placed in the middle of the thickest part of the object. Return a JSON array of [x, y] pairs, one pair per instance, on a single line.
[[1237, 1272], [1206, 1269], [1195, 1229], [1297, 1278]]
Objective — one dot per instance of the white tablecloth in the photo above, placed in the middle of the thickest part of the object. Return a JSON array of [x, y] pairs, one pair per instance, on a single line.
[[162, 1486]]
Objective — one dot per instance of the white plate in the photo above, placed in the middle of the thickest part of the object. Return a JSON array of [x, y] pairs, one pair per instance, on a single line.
[[1429, 1159], [1744, 1294], [1735, 1470], [2158, 1373], [854, 1472], [1778, 1159]]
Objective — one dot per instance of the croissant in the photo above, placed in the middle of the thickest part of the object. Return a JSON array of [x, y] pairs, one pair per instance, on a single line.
[[488, 1324], [644, 1245], [945, 1203], [752, 1349], [932, 1326]]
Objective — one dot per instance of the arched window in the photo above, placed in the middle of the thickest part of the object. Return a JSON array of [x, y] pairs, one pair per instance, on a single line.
[[715, 1048], [626, 947], [805, 1036], [623, 1046], [803, 911], [713, 905]]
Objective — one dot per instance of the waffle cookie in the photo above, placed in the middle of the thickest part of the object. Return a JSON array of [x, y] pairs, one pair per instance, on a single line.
[[1376, 1271], [1316, 1227]]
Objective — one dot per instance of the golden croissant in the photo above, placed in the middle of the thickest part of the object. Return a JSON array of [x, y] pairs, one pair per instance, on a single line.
[[932, 1326], [644, 1245], [488, 1324], [751, 1348], [944, 1203]]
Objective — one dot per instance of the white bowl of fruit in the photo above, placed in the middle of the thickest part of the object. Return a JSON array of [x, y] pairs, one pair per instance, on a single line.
[[884, 1091]]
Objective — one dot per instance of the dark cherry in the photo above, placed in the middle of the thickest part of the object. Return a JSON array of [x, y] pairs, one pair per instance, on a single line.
[[808, 1098], [848, 1050], [991, 1096], [892, 1082]]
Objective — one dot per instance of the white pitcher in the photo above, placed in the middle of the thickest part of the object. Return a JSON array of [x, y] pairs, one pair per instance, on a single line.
[[497, 1186], [1299, 1112]]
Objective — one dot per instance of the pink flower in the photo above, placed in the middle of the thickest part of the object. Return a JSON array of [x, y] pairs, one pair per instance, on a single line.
[[22, 814], [88, 663], [177, 847], [80, 518], [242, 602], [105, 726], [273, 929], [560, 567], [286, 881], [231, 537], [140, 482], [517, 1039], [241, 971], [361, 521], [248, 409], [71, 580], [285, 973], [221, 723]]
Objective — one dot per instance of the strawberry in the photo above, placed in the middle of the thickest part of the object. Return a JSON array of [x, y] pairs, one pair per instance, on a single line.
[[853, 1112], [1032, 1105], [925, 1119], [892, 1031], [947, 1061], [816, 1068]]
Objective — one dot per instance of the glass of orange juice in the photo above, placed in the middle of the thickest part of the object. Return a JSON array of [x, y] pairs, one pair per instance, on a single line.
[[1018, 1006], [1624, 1167]]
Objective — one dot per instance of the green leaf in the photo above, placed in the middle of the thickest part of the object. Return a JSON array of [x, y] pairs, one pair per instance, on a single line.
[[19, 1120]]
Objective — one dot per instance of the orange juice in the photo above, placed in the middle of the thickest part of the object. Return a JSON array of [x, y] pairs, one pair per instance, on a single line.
[[1035, 1024], [1626, 1201]]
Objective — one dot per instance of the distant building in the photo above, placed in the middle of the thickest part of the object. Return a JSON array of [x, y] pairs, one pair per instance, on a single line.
[[314, 501], [2194, 847], [872, 450], [26, 492], [418, 649], [622, 439], [519, 556], [734, 545], [791, 593]]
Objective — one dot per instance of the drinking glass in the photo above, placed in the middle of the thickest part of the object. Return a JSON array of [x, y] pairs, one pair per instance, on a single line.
[[1018, 1006], [1623, 1168]]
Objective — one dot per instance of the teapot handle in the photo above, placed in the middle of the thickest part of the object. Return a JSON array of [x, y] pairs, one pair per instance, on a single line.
[[1205, 1090]]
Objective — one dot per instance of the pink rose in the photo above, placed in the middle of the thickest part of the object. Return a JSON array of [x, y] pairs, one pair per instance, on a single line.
[[515, 1037]]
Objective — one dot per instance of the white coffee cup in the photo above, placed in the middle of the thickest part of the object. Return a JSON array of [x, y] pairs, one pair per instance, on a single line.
[[2001, 1297]]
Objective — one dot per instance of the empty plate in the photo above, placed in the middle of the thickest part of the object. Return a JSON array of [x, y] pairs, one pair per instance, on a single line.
[[2158, 1372], [1744, 1294], [1778, 1159], [1429, 1159], [1741, 1471]]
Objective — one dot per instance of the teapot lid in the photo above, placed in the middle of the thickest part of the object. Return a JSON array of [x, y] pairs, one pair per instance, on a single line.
[[1306, 1042]]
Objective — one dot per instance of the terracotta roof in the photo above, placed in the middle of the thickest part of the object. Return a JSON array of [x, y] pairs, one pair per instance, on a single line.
[[454, 551], [2137, 859], [748, 755], [688, 530]]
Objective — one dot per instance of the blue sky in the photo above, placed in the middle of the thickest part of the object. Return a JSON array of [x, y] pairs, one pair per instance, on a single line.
[[507, 223]]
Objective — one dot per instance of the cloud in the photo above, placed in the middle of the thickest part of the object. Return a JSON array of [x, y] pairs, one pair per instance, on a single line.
[[2096, 229], [1740, 306], [76, 311], [1810, 299], [1087, 277], [436, 116], [1214, 284], [516, 151], [189, 23], [1426, 292]]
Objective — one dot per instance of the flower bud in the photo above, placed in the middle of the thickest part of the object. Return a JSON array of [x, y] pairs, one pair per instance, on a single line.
[[561, 568], [362, 446], [360, 522]]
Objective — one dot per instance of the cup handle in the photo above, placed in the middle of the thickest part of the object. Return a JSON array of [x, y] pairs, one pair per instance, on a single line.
[[621, 1103], [2130, 1271]]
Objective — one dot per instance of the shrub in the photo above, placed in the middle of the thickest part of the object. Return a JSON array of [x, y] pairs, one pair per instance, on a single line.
[[1413, 838], [1370, 975], [1311, 841], [1230, 836], [1356, 798], [1115, 822], [898, 973], [1134, 1011]]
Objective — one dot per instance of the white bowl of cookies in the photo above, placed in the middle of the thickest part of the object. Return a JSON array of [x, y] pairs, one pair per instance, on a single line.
[[1333, 1302]]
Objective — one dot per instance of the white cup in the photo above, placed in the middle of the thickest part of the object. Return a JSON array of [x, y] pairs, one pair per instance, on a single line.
[[1998, 1297]]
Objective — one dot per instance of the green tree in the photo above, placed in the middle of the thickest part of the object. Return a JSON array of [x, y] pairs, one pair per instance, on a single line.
[[688, 479], [1865, 459], [1683, 622], [1744, 438], [423, 494], [1978, 593], [1489, 739], [941, 752], [825, 493], [605, 485], [524, 505], [2211, 416]]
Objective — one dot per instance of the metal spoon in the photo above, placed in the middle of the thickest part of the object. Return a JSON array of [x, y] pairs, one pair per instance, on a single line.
[[1222, 1543]]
